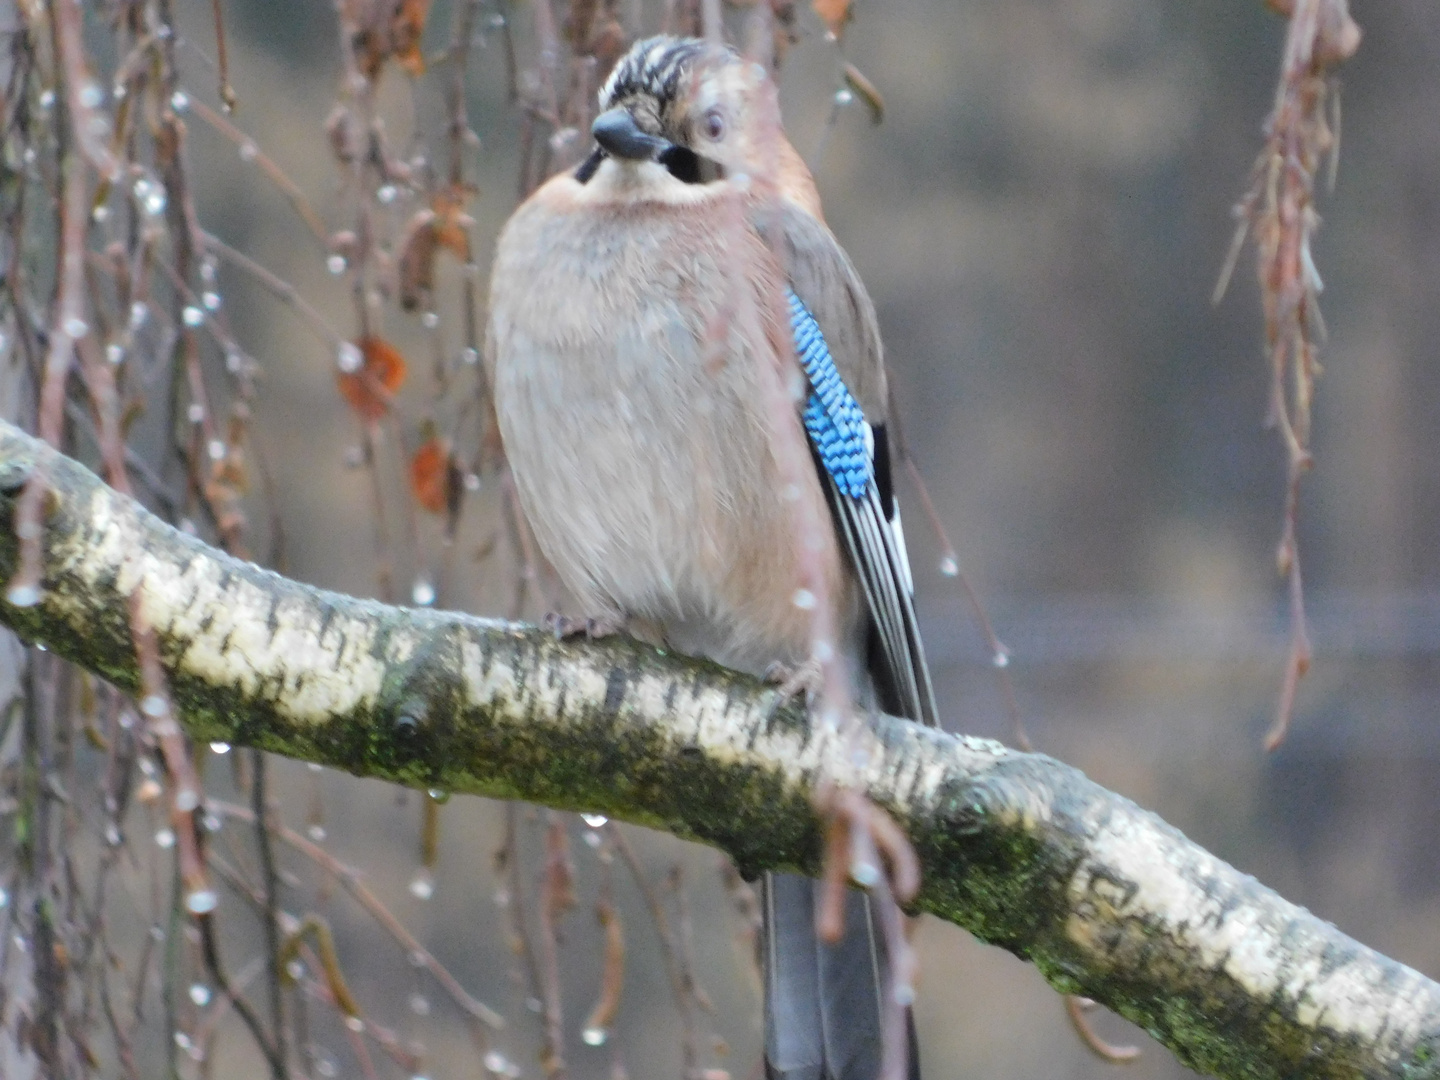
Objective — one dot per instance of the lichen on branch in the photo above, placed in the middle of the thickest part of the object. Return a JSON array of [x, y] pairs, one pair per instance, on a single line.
[[1105, 899]]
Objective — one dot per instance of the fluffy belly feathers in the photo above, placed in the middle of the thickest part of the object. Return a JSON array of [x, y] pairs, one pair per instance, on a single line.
[[635, 428]]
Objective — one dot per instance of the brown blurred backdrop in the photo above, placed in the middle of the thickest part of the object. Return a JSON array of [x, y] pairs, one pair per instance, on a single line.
[[1040, 218]]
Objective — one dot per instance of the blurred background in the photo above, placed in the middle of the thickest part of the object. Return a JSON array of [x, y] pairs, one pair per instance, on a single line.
[[1041, 218]]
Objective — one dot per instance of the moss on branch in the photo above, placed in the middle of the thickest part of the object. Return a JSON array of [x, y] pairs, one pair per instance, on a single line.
[[1024, 852]]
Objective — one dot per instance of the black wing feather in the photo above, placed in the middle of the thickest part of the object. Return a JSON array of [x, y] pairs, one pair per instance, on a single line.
[[879, 563]]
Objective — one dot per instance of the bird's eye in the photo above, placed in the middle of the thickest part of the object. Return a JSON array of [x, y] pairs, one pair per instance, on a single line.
[[714, 125]]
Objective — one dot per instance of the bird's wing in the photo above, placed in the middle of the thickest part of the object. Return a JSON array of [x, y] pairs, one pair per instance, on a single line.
[[838, 344], [822, 275]]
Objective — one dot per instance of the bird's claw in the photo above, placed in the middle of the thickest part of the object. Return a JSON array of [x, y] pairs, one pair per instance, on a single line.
[[592, 628], [792, 680]]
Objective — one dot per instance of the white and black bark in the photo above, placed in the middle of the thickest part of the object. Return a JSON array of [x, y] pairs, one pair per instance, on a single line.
[[1026, 853]]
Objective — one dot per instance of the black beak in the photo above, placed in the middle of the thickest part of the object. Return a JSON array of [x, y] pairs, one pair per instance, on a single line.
[[619, 136]]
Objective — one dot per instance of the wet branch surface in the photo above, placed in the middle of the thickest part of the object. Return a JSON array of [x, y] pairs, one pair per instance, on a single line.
[[1026, 853]]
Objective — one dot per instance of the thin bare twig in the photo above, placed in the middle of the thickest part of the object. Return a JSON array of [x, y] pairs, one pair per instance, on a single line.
[[252, 154], [270, 886], [225, 91], [612, 975], [950, 566], [1075, 1008], [675, 965], [557, 896], [349, 880]]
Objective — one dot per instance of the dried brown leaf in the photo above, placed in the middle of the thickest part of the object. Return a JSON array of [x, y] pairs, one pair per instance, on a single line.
[[833, 13], [382, 372], [429, 475]]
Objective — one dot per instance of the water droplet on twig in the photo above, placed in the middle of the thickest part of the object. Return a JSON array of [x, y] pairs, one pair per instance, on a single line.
[[348, 358], [202, 902]]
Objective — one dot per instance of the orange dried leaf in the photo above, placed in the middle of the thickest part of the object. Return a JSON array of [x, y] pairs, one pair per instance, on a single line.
[[386, 29], [429, 475], [451, 221], [612, 979], [834, 13], [607, 42], [406, 31], [382, 372], [441, 225]]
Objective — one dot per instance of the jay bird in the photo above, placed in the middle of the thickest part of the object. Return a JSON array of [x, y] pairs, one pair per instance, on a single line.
[[635, 304]]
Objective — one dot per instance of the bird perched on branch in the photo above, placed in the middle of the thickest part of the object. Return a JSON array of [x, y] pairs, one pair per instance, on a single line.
[[642, 308]]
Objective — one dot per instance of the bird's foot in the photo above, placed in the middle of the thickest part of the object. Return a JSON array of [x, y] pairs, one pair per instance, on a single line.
[[792, 680], [592, 628]]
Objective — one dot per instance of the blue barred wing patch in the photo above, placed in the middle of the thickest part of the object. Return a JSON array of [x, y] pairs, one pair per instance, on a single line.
[[832, 416]]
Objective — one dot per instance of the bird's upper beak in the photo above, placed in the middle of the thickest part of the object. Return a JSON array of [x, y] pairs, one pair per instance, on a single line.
[[620, 136]]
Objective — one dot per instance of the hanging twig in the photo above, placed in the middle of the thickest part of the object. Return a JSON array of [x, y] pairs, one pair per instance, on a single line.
[[557, 896], [675, 966], [66, 328], [950, 567], [349, 879], [1075, 1008], [612, 974], [1279, 210], [270, 886], [225, 91]]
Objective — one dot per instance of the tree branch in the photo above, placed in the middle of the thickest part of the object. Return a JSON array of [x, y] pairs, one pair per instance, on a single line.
[[1105, 899]]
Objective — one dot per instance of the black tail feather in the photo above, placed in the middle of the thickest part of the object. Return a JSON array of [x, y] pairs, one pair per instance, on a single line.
[[824, 1004]]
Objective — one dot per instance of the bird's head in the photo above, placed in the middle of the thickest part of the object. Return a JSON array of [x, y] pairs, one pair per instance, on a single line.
[[699, 109]]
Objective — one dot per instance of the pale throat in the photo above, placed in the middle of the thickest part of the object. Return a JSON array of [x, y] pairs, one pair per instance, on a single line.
[[646, 182]]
